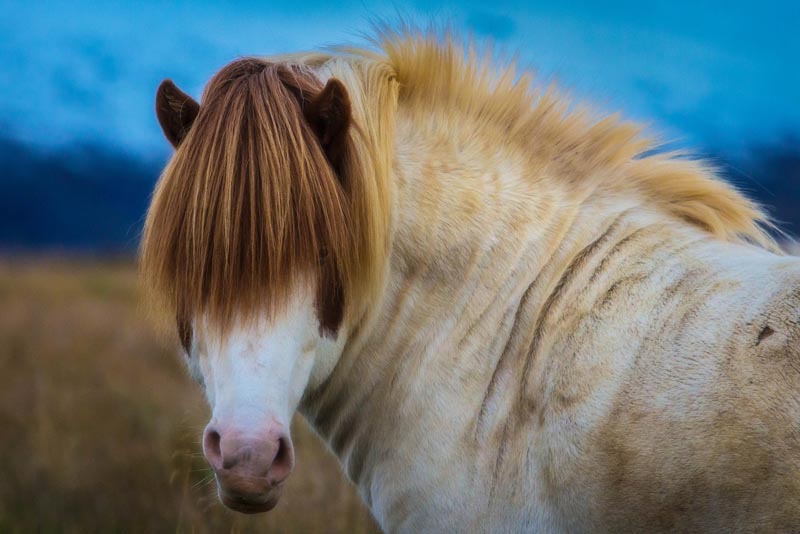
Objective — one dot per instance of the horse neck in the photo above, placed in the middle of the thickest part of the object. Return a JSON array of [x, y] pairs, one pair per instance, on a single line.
[[480, 237]]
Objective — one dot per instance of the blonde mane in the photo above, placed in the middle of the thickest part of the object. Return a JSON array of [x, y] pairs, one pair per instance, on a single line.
[[435, 71], [249, 204]]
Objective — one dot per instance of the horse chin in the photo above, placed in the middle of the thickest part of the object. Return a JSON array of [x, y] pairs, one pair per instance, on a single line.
[[251, 504]]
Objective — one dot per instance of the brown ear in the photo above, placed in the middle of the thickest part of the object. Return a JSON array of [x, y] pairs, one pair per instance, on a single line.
[[329, 115], [176, 111]]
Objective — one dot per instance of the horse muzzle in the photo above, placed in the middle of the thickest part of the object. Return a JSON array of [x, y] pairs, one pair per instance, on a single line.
[[250, 468]]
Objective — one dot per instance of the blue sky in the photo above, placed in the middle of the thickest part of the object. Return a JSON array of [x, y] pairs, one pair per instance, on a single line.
[[716, 75]]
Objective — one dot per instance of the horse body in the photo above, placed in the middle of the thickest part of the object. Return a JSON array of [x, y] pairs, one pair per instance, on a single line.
[[559, 376], [566, 336]]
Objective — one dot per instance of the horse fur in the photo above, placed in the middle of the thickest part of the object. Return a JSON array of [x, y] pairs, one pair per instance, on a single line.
[[562, 331]]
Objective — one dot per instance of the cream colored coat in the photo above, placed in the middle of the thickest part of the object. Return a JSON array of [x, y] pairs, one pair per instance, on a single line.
[[566, 341]]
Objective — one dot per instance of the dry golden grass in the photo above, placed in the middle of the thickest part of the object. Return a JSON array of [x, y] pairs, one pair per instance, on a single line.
[[101, 426]]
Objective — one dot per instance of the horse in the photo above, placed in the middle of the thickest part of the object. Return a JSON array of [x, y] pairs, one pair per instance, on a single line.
[[502, 311]]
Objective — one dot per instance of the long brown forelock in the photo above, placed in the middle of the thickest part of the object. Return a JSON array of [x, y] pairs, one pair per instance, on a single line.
[[249, 205]]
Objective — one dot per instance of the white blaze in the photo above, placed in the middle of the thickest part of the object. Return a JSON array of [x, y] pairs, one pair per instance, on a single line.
[[259, 370]]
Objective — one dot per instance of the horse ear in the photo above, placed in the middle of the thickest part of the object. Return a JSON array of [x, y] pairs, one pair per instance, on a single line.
[[176, 111], [329, 115]]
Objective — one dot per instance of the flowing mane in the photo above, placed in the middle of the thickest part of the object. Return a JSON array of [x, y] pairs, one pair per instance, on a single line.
[[249, 202], [435, 71]]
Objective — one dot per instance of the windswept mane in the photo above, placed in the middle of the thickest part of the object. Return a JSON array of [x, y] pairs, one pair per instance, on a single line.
[[435, 71], [249, 205]]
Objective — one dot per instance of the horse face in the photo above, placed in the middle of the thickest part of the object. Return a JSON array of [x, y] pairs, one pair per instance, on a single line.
[[255, 374], [254, 378]]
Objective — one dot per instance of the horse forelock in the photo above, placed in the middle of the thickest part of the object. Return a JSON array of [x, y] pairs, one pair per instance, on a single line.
[[249, 206]]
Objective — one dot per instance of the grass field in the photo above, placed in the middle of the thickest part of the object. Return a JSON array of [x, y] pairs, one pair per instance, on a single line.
[[100, 426]]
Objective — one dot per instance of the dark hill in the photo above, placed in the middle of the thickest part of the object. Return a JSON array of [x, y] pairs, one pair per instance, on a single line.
[[92, 198]]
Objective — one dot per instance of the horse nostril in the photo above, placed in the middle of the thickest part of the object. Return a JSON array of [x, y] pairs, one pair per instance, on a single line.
[[283, 452], [284, 461], [211, 447]]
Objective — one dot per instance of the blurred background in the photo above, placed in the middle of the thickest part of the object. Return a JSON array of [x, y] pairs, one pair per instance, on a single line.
[[100, 425]]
